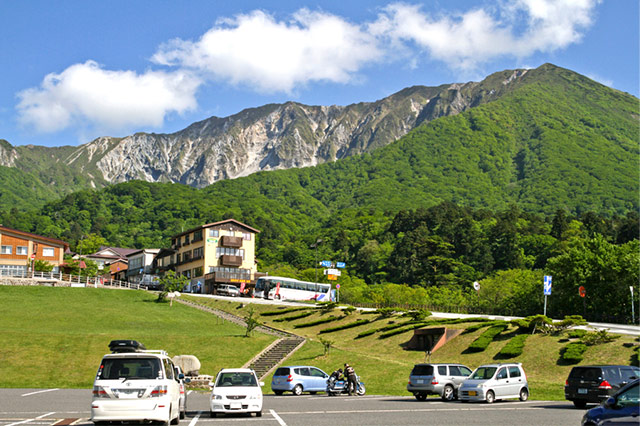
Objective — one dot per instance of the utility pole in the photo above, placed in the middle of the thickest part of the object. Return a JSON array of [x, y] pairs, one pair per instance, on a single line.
[[315, 246]]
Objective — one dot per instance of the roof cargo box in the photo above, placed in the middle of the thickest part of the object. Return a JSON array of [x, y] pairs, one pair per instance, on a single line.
[[117, 346]]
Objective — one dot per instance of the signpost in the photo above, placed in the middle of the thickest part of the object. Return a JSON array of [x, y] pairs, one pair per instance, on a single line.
[[337, 292], [633, 312], [547, 291]]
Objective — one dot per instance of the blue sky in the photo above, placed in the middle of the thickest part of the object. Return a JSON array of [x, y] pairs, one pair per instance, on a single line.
[[76, 70]]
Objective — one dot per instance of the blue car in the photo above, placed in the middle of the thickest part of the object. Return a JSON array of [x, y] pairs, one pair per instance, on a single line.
[[623, 408], [298, 379]]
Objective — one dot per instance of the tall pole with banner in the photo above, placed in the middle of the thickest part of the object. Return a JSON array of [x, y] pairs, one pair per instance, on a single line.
[[547, 291], [633, 312]]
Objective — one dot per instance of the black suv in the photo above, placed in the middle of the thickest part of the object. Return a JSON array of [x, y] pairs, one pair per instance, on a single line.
[[595, 383]]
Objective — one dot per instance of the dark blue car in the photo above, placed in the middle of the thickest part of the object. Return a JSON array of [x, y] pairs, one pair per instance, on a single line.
[[622, 408]]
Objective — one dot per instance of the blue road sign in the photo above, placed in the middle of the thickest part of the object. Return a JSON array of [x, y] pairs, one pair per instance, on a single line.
[[340, 265], [326, 263], [547, 285]]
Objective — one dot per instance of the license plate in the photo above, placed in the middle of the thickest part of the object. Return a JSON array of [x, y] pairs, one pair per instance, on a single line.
[[236, 405], [419, 381], [473, 393], [582, 391]]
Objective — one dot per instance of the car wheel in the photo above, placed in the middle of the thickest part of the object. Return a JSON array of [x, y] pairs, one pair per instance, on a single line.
[[258, 413], [420, 396], [213, 415], [297, 390], [182, 415], [448, 393], [524, 394], [579, 403], [277, 392], [490, 397]]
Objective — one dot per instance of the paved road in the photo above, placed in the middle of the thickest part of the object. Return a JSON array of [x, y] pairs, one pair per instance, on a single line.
[[31, 407]]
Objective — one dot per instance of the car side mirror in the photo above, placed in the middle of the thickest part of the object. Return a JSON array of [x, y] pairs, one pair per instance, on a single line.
[[610, 402], [181, 376]]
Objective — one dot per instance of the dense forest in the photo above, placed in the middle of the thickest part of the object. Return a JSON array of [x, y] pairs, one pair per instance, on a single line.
[[543, 181]]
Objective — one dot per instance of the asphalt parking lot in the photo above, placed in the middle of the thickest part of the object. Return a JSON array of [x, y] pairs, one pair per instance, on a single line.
[[72, 407]]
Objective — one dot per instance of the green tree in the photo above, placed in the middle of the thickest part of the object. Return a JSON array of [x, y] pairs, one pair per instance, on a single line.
[[512, 292], [605, 270], [42, 266], [90, 244], [171, 282]]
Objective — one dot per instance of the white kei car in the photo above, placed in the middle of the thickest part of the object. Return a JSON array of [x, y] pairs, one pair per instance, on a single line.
[[236, 390], [135, 385]]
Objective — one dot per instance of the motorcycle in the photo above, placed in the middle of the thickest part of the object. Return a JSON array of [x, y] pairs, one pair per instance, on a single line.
[[341, 386]]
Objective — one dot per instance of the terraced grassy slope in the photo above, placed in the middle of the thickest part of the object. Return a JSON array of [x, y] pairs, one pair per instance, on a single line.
[[384, 365]]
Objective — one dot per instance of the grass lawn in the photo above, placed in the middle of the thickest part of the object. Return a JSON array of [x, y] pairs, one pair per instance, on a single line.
[[384, 365], [55, 337]]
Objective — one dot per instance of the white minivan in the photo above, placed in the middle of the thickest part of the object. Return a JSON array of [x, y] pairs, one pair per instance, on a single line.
[[493, 382], [135, 384]]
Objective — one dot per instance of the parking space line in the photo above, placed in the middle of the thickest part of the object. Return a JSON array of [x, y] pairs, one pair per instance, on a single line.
[[40, 391], [30, 420], [278, 418], [195, 419]]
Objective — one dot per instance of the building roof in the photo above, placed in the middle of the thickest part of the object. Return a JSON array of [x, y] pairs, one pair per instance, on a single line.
[[222, 222], [28, 235], [150, 251]]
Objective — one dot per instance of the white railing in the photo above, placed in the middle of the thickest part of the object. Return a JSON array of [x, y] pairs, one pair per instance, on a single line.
[[68, 278]]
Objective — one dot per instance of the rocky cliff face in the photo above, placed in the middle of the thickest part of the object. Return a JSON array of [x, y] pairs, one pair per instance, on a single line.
[[272, 136]]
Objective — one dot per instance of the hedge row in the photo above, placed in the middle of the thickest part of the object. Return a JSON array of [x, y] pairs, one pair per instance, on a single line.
[[421, 323], [483, 341], [573, 352], [490, 323], [317, 322], [577, 334], [294, 317], [282, 311], [514, 348], [401, 330], [345, 326], [366, 333]]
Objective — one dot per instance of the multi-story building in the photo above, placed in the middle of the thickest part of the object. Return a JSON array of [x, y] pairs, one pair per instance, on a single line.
[[18, 251], [139, 269], [216, 253]]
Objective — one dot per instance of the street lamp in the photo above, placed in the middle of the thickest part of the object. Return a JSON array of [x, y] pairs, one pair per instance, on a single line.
[[315, 246]]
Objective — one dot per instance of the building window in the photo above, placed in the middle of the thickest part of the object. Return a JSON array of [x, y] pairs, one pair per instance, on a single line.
[[22, 250], [13, 270], [213, 233], [48, 252], [197, 272], [6, 249], [197, 235], [246, 236], [229, 251], [197, 253]]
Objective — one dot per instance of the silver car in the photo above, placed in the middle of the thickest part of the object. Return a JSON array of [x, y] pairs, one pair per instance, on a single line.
[[228, 290], [495, 381], [437, 379]]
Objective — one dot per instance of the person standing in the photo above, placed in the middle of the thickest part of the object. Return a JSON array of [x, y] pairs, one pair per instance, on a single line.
[[352, 380]]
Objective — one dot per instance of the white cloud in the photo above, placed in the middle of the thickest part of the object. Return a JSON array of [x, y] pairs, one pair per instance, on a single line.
[[276, 56], [463, 41], [87, 95]]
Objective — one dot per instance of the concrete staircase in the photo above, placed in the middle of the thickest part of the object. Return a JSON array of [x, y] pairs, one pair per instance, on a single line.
[[267, 360]]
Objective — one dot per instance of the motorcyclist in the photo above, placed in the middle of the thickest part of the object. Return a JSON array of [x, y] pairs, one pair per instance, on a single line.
[[335, 376], [352, 379]]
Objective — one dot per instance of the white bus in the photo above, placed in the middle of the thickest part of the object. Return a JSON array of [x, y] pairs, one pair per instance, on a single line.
[[291, 289]]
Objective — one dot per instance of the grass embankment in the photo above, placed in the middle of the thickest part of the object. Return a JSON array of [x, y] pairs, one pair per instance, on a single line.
[[55, 337], [384, 365]]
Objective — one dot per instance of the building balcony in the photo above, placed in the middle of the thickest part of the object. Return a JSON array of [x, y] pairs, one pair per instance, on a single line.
[[228, 260], [229, 278], [229, 241]]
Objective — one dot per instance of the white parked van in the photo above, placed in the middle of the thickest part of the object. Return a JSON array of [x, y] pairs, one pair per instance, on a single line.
[[236, 390], [135, 384]]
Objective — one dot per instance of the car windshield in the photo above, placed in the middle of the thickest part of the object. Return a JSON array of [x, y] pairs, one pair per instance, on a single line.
[[130, 369], [236, 379], [422, 370], [282, 371], [483, 373]]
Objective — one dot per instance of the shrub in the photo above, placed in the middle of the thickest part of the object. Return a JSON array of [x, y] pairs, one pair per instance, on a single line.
[[282, 311], [417, 315], [345, 326], [573, 352], [514, 348], [386, 312], [598, 337], [366, 333], [294, 317], [476, 327], [317, 322], [402, 330], [577, 334], [349, 310], [483, 341]]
